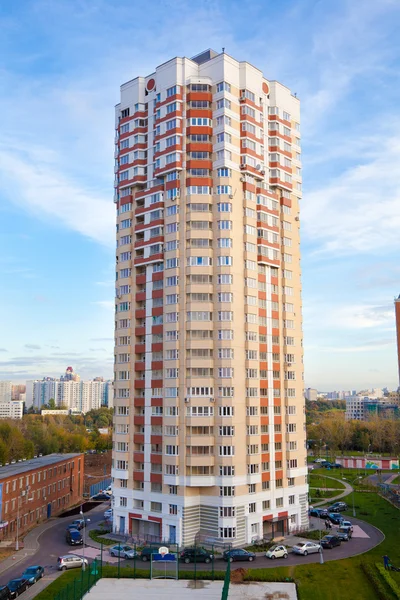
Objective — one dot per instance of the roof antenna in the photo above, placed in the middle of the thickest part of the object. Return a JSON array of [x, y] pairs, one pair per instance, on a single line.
[[223, 50]]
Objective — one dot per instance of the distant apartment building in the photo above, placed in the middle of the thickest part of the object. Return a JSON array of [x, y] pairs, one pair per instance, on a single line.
[[13, 409], [9, 408], [209, 434], [364, 408], [5, 391], [17, 391], [70, 392], [311, 394]]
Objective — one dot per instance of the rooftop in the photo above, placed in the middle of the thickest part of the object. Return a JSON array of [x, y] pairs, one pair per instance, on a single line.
[[34, 463]]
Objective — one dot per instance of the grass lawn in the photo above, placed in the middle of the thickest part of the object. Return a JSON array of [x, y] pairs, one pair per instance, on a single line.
[[322, 494], [334, 580], [396, 480], [319, 481]]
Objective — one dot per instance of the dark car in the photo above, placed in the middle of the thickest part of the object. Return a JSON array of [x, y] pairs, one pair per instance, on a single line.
[[337, 507], [315, 512], [33, 574], [17, 586], [5, 593], [73, 537], [343, 533], [238, 554], [101, 497], [336, 466], [330, 541], [335, 518], [327, 465], [147, 551], [189, 555]]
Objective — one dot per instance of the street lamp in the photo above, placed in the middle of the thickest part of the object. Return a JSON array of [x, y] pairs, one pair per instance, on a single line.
[[321, 556], [352, 483], [83, 538]]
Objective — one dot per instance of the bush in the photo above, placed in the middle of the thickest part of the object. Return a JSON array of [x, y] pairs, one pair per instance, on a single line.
[[375, 581], [95, 534], [389, 579], [265, 575]]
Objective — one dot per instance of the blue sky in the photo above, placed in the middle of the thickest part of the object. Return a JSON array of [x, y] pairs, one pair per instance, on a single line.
[[61, 64]]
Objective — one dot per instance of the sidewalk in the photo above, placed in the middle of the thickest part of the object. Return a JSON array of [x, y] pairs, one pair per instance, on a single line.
[[345, 492], [30, 545]]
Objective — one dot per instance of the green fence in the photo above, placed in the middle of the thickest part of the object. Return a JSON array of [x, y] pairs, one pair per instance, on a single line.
[[227, 580], [194, 566]]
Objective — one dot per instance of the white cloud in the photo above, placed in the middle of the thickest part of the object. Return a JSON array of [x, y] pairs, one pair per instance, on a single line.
[[45, 191], [359, 210]]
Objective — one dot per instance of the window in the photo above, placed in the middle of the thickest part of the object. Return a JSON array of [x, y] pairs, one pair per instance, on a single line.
[[223, 86], [172, 91], [252, 507], [227, 532], [252, 488], [224, 103], [227, 490], [173, 509]]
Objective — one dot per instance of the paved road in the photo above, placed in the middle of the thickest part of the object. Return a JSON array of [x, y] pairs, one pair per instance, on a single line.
[[52, 544]]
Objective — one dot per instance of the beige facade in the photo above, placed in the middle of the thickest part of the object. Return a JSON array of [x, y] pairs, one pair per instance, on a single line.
[[209, 433]]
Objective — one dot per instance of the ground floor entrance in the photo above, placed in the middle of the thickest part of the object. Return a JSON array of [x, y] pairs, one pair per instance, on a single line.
[[275, 528], [146, 530]]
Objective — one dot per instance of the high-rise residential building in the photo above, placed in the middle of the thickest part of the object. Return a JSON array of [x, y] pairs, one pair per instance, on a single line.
[[209, 406], [397, 312], [69, 391], [311, 394], [5, 391]]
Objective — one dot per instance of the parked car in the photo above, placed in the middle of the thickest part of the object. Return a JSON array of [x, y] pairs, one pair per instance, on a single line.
[[100, 497], [70, 561], [108, 491], [147, 551], [305, 548], [73, 537], [108, 513], [276, 552], [123, 551], [319, 460], [327, 465], [317, 512], [33, 574], [336, 466], [343, 534], [347, 524], [189, 555], [335, 518], [5, 593], [238, 554], [337, 507], [330, 541], [17, 586], [80, 523]]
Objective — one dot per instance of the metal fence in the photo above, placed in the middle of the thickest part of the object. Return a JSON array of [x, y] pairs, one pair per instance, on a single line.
[[109, 562], [96, 488]]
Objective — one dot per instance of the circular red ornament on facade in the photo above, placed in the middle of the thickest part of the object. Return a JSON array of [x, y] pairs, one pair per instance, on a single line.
[[150, 85], [265, 88]]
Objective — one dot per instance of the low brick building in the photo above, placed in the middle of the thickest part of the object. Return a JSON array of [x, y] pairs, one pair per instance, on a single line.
[[36, 489]]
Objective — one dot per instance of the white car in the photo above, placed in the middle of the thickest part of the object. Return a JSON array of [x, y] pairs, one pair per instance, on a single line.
[[347, 524], [319, 460], [108, 514], [108, 491], [305, 548], [276, 552]]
